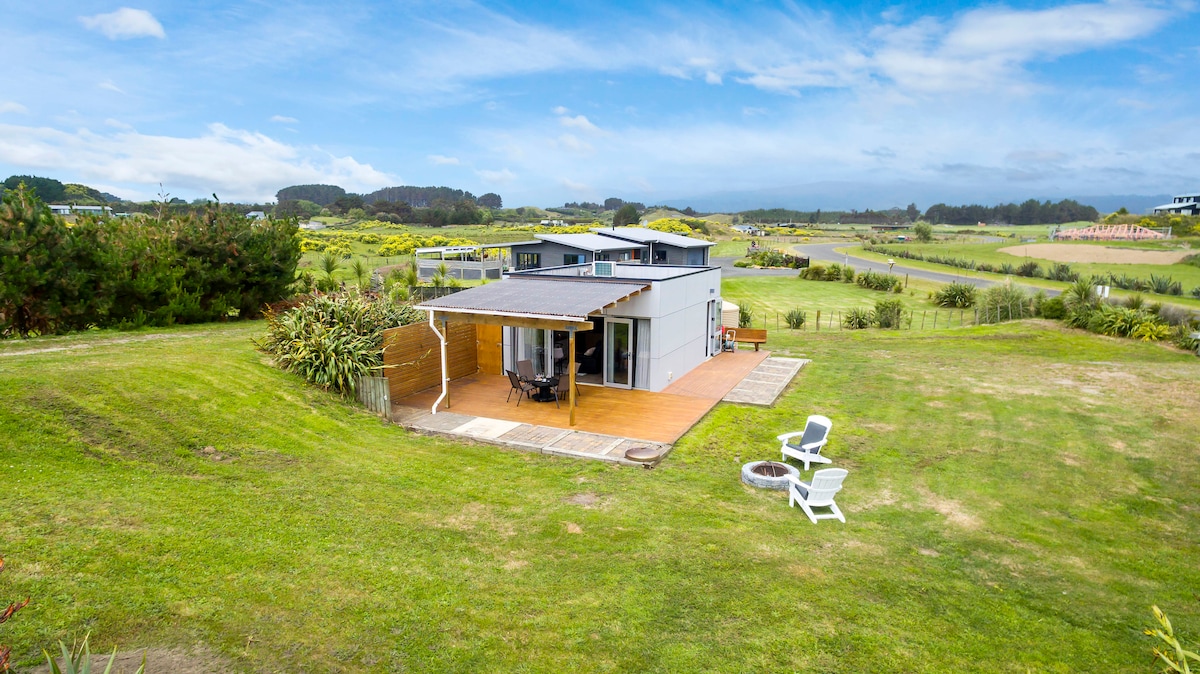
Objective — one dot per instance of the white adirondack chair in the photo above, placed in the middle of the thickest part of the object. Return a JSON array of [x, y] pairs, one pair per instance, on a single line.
[[806, 445], [818, 494]]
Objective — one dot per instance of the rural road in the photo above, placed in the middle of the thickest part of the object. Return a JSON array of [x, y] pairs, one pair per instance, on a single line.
[[824, 252]]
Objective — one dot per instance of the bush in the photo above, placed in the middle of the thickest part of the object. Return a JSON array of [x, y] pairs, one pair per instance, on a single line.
[[1004, 303], [1062, 272], [1029, 269], [1052, 308], [858, 319], [878, 281], [955, 295], [1164, 285], [741, 264], [1181, 336], [795, 318], [331, 340], [889, 313], [923, 230], [745, 315], [814, 272]]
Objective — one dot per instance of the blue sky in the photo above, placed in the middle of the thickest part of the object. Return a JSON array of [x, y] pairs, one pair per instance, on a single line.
[[656, 102]]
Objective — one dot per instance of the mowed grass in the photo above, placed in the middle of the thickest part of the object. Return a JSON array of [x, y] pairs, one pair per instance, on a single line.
[[771, 297], [1018, 496]]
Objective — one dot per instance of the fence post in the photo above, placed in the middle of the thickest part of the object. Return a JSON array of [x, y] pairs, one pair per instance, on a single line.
[[935, 313], [818, 323], [906, 280], [923, 312], [840, 324], [976, 315]]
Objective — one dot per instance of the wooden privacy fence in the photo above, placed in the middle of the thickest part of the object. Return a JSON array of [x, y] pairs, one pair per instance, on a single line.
[[373, 393], [412, 356]]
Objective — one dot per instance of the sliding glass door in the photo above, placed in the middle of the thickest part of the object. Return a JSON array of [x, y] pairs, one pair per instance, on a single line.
[[618, 359]]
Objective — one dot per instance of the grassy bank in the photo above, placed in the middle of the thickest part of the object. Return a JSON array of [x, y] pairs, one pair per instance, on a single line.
[[1018, 496]]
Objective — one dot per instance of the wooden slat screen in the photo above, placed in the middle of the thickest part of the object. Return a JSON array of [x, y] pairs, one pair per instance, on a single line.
[[412, 356]]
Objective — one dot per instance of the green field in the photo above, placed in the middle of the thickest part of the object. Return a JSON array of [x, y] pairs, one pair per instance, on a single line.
[[1019, 495]]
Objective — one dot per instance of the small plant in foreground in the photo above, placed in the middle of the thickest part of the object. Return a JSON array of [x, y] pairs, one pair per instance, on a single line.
[[78, 659], [1175, 655], [795, 318], [889, 313]]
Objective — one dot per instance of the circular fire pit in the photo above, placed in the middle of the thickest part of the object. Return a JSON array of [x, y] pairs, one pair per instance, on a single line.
[[768, 474]]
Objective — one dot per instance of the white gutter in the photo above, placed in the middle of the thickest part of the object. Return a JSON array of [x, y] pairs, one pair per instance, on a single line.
[[506, 314], [445, 369]]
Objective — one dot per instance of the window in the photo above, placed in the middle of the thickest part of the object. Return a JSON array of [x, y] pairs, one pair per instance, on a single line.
[[660, 255], [529, 261], [573, 258], [603, 257]]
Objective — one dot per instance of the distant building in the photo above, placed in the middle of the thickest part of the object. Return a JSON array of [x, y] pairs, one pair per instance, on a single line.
[[749, 230], [620, 244], [256, 215], [67, 209], [1186, 204]]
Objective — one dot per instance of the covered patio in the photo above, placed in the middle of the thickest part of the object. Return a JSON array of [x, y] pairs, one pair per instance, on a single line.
[[632, 413]]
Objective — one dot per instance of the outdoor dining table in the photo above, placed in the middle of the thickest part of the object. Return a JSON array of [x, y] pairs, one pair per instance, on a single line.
[[545, 389]]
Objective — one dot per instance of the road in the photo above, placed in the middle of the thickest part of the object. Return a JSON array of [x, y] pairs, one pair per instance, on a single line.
[[824, 252]]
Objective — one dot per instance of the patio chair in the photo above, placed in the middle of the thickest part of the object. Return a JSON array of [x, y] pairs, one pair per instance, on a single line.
[[519, 386], [806, 445], [564, 388], [818, 494], [525, 370]]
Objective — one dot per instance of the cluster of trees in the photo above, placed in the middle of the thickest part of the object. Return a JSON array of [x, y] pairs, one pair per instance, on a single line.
[[1029, 212], [55, 192], [174, 268], [426, 205]]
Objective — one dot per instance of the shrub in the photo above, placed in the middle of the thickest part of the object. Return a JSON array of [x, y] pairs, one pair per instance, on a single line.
[[1029, 269], [1164, 285], [889, 313], [834, 273], [745, 315], [331, 340], [1007, 268], [1175, 656], [1052, 308], [858, 319], [1174, 315], [847, 274], [795, 318], [1004, 303], [744, 263], [923, 230], [1062, 272], [956, 295], [1196, 291], [814, 272], [1181, 336], [878, 281], [1151, 331], [1135, 301]]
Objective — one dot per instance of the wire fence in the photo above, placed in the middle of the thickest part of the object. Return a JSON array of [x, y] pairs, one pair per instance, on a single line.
[[824, 320]]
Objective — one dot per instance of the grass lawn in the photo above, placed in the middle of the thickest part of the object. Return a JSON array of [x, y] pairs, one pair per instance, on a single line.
[[1018, 497], [771, 297]]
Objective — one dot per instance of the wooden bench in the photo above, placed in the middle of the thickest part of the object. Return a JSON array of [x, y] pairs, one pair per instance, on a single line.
[[749, 336]]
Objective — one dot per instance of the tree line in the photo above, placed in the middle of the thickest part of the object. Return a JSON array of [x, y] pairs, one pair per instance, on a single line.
[[170, 268], [1029, 212]]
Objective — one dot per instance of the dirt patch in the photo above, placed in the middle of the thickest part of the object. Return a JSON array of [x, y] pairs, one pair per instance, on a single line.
[[1068, 252], [953, 511], [586, 499], [197, 660]]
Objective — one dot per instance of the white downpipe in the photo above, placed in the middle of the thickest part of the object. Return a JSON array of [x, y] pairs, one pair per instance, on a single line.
[[445, 368]]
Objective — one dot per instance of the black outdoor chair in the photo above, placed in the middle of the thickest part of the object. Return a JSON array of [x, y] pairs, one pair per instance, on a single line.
[[521, 387]]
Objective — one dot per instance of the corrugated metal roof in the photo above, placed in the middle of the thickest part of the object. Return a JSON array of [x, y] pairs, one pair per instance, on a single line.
[[572, 299], [591, 242], [646, 235]]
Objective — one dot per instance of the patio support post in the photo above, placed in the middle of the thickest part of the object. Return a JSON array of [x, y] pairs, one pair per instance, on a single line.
[[445, 368], [571, 370]]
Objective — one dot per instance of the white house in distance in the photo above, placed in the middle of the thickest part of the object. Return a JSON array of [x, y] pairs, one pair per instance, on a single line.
[[67, 209], [1184, 204], [631, 325]]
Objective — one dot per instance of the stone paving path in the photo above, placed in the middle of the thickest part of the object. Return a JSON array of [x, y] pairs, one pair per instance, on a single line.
[[766, 383], [762, 386]]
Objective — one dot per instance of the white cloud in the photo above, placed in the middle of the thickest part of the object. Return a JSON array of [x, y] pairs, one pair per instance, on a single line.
[[108, 85], [572, 143], [236, 164], [575, 187], [439, 160], [12, 106], [125, 24], [283, 119], [501, 177], [578, 122], [559, 110], [712, 77]]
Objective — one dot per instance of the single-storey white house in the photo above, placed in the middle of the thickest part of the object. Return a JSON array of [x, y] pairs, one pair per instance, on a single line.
[[624, 325], [1184, 204], [749, 230], [68, 209]]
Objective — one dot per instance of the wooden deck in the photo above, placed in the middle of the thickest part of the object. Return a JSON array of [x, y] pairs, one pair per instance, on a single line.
[[660, 417]]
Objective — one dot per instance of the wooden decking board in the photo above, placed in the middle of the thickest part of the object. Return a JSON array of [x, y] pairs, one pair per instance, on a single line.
[[642, 415]]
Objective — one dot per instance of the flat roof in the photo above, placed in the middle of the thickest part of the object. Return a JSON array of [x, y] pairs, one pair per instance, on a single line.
[[592, 242], [466, 249], [623, 271], [571, 299], [646, 235]]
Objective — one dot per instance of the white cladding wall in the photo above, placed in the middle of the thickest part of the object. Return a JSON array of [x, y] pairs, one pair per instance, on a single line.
[[678, 313]]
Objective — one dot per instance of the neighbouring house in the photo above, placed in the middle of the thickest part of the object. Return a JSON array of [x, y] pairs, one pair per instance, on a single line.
[[555, 250], [624, 325], [663, 247], [749, 230], [68, 209], [481, 261], [1184, 204], [257, 215]]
